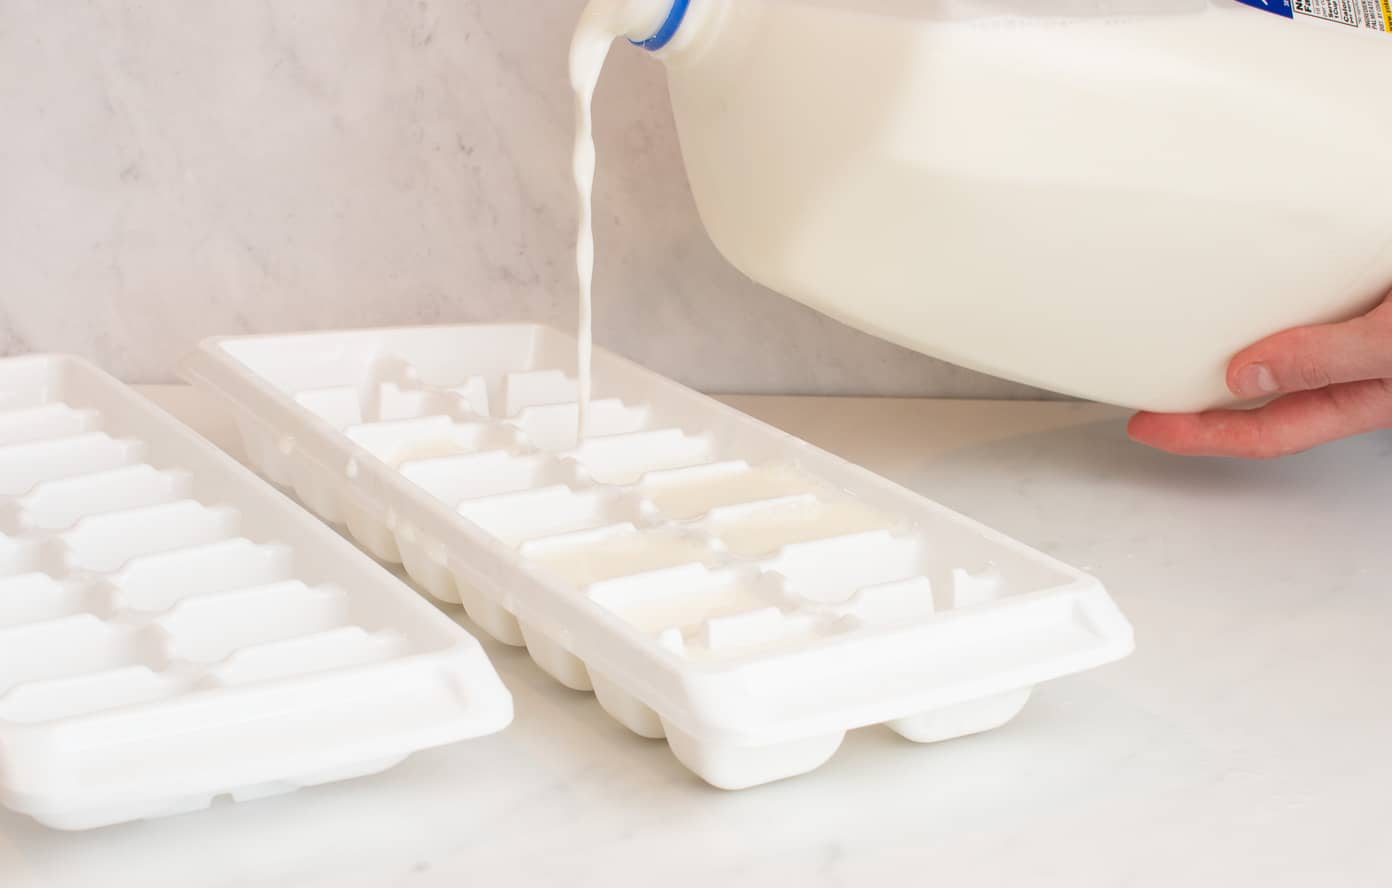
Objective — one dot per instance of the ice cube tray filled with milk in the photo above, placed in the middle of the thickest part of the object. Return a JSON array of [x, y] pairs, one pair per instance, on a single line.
[[714, 581], [172, 629]]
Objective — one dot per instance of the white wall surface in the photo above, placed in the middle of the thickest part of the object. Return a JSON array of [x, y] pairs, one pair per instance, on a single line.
[[171, 170]]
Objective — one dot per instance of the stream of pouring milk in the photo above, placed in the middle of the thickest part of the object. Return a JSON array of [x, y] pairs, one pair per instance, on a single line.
[[602, 22]]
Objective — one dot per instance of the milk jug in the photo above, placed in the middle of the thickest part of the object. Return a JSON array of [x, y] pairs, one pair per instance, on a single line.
[[1106, 198]]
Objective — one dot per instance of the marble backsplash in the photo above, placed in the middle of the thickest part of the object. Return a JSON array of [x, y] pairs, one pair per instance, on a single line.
[[170, 171]]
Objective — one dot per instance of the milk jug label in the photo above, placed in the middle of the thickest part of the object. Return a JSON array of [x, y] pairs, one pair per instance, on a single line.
[[1280, 7], [1373, 15]]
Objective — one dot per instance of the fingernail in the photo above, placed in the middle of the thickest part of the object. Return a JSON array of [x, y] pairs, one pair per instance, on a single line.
[[1255, 381]]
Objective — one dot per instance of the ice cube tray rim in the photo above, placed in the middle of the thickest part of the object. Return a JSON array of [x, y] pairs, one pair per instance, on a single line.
[[197, 368], [32, 752], [213, 348], [24, 739], [212, 366], [328, 439]]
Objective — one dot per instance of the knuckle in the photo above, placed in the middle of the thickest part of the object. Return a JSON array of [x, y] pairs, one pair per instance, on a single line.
[[1385, 397], [1279, 449], [1269, 440], [1270, 450], [1382, 397], [1310, 373], [1381, 316], [1256, 443], [1347, 398], [1372, 397]]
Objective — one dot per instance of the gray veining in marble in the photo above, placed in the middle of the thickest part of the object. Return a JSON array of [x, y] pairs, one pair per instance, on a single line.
[[174, 170]]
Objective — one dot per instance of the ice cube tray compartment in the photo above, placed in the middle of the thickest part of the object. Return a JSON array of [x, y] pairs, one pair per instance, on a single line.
[[144, 576], [57, 504], [619, 460], [91, 693], [685, 494], [454, 479], [552, 427], [588, 557], [397, 442], [22, 466], [155, 583], [38, 597], [103, 543], [27, 553], [516, 518], [88, 645], [45, 422], [682, 599], [763, 528], [714, 581], [209, 628]]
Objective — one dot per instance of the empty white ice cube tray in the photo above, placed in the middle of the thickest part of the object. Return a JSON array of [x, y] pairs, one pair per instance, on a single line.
[[713, 580], [173, 629]]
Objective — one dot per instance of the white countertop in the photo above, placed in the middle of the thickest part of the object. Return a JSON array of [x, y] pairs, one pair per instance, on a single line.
[[1246, 742]]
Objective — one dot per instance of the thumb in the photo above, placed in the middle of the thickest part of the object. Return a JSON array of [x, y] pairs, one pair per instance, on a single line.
[[1308, 358]]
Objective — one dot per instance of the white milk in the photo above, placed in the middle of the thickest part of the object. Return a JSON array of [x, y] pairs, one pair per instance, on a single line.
[[602, 22], [620, 553], [1107, 199]]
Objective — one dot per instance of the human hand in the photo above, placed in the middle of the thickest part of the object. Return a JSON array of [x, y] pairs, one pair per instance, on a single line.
[[1334, 381]]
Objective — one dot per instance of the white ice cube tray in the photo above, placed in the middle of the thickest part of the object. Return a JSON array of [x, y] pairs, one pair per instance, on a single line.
[[173, 629], [713, 580]]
